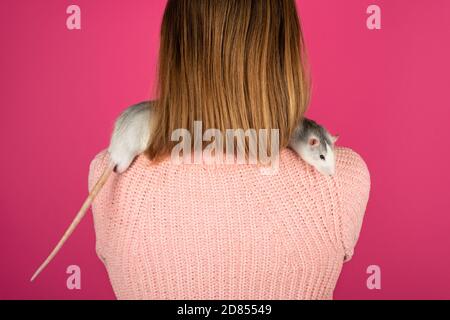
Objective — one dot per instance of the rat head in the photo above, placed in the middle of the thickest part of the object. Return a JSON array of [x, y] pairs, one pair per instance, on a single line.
[[319, 152]]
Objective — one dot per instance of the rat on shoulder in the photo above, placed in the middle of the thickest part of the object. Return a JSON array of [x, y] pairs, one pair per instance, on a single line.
[[315, 145], [132, 134]]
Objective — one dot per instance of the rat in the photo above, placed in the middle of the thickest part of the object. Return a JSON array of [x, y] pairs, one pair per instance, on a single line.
[[131, 137], [315, 145]]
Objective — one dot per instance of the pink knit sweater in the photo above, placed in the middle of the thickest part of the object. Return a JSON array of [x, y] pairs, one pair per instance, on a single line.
[[172, 231]]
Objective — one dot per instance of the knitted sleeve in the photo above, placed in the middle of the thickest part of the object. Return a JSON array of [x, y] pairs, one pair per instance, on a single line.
[[96, 168], [99, 162], [354, 185]]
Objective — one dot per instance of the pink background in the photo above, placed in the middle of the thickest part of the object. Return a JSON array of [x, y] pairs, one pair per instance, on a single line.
[[385, 92]]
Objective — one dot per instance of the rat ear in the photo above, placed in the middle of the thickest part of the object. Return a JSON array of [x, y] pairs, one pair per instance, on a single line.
[[335, 138], [313, 142]]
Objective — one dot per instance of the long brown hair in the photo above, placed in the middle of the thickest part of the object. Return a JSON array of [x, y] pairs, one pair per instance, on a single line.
[[232, 64]]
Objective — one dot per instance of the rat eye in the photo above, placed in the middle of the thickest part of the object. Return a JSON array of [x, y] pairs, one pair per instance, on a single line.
[[322, 157]]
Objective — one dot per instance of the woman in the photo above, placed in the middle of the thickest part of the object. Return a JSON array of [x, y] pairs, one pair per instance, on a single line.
[[171, 231]]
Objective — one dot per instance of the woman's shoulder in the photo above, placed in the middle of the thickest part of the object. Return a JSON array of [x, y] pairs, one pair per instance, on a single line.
[[96, 167], [352, 170], [348, 190], [348, 157], [350, 166], [353, 181], [350, 163]]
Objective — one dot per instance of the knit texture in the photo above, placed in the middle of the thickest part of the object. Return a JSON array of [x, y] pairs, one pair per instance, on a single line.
[[171, 231]]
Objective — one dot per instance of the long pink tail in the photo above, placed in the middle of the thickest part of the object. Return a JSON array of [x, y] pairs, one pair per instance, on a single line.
[[98, 186]]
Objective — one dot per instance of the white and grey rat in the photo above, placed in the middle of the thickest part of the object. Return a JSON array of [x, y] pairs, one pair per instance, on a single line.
[[315, 145], [131, 137]]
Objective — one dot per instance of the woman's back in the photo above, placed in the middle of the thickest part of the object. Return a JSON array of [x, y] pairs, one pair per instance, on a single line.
[[168, 231]]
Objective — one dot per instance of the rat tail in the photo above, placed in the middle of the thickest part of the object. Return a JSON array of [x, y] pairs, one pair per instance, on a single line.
[[98, 186]]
